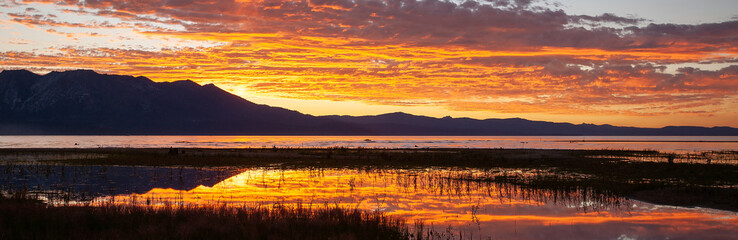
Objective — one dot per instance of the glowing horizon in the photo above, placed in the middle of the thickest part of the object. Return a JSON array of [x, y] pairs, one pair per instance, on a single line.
[[539, 60]]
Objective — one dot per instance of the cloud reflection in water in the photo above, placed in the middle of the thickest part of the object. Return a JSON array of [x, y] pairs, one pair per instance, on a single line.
[[444, 198]]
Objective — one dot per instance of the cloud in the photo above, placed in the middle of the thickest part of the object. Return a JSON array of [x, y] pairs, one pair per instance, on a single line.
[[481, 25], [606, 18], [499, 56], [51, 21]]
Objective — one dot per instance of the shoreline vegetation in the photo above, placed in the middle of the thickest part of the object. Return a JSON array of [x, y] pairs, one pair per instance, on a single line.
[[21, 217], [699, 179]]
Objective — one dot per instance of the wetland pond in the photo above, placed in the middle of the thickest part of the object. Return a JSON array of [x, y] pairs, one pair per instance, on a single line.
[[451, 201]]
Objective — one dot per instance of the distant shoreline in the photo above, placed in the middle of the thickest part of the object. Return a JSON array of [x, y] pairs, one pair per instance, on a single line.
[[656, 141]]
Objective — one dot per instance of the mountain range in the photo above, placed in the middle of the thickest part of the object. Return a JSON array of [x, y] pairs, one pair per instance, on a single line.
[[86, 102]]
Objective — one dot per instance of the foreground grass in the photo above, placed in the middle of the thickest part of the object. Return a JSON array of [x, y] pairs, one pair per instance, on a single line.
[[22, 218]]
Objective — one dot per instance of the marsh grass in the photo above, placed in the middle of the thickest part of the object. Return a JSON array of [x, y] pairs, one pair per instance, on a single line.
[[25, 218], [568, 178]]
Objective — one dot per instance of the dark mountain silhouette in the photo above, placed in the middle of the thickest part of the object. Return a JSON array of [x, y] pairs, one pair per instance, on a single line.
[[85, 102], [87, 182], [405, 124]]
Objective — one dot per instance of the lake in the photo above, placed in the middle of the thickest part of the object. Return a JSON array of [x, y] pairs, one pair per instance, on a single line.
[[661, 143]]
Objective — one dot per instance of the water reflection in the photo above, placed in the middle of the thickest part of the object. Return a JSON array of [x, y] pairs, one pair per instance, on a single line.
[[451, 200], [63, 183]]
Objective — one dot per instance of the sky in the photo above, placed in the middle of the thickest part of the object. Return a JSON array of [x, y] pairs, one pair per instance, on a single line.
[[645, 63]]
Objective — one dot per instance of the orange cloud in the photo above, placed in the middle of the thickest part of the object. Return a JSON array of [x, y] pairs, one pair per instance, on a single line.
[[500, 58]]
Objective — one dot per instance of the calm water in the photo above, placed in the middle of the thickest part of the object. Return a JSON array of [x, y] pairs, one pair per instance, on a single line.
[[662, 143], [438, 197]]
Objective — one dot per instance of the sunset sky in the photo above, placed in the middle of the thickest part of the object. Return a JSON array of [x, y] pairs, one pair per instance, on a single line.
[[646, 63]]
